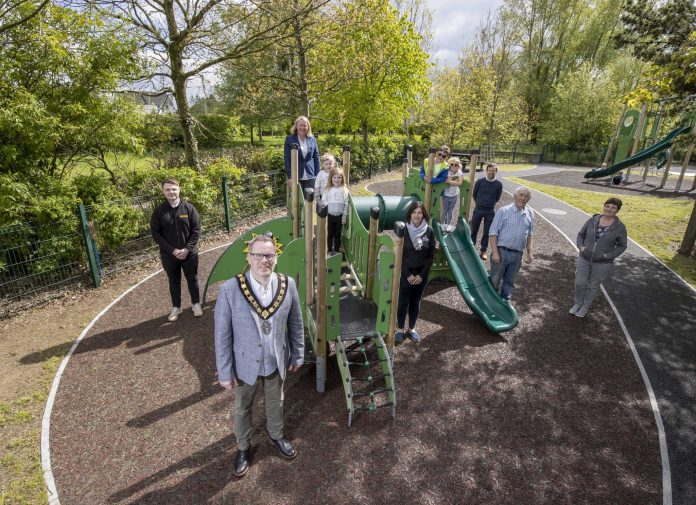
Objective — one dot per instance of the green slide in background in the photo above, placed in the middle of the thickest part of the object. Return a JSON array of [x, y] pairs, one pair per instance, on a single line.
[[472, 279], [649, 152]]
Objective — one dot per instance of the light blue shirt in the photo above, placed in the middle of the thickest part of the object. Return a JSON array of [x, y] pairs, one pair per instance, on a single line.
[[512, 226], [268, 363]]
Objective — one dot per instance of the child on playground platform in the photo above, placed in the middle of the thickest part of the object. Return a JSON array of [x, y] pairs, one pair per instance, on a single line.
[[440, 167], [328, 162], [450, 195], [336, 197]]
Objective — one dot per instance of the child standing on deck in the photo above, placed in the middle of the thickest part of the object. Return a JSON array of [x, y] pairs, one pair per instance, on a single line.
[[336, 197], [450, 195], [328, 162]]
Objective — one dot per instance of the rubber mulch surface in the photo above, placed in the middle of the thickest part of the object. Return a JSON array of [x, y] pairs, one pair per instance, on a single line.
[[553, 412]]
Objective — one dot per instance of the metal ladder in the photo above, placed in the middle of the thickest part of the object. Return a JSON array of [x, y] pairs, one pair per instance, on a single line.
[[366, 372]]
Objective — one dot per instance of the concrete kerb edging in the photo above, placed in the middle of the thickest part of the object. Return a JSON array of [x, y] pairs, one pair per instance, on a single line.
[[662, 437], [46, 420]]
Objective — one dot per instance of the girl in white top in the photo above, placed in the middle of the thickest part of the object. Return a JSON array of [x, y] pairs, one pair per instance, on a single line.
[[328, 162], [450, 195], [336, 197]]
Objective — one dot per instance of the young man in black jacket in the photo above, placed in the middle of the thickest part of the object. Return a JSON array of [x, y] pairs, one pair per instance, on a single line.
[[176, 227]]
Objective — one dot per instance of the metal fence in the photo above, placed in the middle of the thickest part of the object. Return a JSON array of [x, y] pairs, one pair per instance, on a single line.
[[40, 260], [543, 153]]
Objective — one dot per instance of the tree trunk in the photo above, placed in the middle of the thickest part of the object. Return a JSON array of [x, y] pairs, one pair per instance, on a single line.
[[186, 121], [302, 60], [689, 241], [363, 130], [260, 133], [251, 132]]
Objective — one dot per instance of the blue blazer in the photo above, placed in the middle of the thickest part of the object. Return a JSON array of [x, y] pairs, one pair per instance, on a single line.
[[308, 166]]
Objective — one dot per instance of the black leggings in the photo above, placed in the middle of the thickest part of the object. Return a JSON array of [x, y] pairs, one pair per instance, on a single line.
[[409, 301], [173, 267], [334, 227]]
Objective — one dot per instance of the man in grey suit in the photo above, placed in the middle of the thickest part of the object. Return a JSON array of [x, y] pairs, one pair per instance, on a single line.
[[259, 335]]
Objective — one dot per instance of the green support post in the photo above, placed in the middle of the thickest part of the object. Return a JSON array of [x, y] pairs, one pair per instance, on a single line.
[[226, 201], [89, 246]]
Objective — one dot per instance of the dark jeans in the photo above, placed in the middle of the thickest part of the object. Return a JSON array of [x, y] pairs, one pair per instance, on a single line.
[[409, 301], [333, 233], [487, 217], [173, 267]]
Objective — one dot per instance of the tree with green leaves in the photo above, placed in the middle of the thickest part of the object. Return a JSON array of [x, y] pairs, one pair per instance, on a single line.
[[58, 72], [184, 39], [382, 64], [664, 35], [583, 108], [14, 13]]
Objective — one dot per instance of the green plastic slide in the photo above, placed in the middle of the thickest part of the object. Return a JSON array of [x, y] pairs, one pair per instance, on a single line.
[[472, 279], [643, 155]]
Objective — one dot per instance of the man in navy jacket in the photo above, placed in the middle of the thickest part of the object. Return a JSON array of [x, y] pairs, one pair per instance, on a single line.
[[487, 192]]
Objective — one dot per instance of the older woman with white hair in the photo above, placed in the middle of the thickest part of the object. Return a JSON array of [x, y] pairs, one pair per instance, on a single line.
[[308, 156]]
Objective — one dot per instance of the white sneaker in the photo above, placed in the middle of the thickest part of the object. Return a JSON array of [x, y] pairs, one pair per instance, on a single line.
[[174, 314], [197, 310]]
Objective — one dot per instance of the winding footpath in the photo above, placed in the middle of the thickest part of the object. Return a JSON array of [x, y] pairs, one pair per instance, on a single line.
[[658, 313]]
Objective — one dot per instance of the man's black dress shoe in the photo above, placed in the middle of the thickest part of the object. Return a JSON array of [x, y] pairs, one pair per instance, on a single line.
[[285, 448], [241, 463]]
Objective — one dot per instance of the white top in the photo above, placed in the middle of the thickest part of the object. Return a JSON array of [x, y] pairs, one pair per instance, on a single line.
[[269, 362], [452, 190], [337, 200], [320, 184], [303, 146]]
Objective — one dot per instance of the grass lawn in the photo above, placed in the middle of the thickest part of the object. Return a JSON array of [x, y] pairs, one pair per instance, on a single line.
[[658, 224], [120, 163]]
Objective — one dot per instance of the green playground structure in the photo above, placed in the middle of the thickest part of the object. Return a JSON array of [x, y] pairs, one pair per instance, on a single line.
[[350, 301], [652, 151], [641, 129]]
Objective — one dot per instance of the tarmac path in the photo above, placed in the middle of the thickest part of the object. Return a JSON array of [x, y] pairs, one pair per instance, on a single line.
[[658, 310]]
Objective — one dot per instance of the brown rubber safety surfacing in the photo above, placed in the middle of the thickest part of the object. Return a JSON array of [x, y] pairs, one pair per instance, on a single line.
[[553, 411]]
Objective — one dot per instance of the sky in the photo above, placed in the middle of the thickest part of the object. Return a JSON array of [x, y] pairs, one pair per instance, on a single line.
[[455, 23]]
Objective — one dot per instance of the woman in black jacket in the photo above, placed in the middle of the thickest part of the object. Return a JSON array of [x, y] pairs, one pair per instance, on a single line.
[[419, 251], [601, 240]]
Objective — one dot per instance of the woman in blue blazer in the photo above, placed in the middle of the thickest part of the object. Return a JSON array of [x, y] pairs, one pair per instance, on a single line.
[[308, 154]]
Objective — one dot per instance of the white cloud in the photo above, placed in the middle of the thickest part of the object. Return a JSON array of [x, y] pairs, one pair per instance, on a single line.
[[455, 23]]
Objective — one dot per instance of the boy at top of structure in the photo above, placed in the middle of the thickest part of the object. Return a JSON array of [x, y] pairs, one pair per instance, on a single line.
[[441, 167], [450, 194], [328, 162]]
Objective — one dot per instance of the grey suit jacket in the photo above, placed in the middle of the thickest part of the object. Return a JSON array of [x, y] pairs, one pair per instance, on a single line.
[[238, 347]]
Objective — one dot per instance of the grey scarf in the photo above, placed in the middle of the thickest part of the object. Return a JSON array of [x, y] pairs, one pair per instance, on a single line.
[[416, 234]]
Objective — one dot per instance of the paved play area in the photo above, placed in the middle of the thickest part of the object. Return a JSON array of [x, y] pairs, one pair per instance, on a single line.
[[554, 411]]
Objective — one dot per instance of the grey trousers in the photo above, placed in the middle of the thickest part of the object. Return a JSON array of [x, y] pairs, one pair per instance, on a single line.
[[588, 277], [244, 401]]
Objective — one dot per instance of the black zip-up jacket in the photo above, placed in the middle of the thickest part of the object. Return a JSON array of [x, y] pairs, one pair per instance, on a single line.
[[176, 227], [606, 249], [417, 262]]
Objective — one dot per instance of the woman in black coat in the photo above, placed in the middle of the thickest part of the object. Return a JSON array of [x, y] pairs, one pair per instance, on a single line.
[[419, 252], [308, 165]]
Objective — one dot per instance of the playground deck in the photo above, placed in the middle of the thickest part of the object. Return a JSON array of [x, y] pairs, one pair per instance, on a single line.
[[553, 411]]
